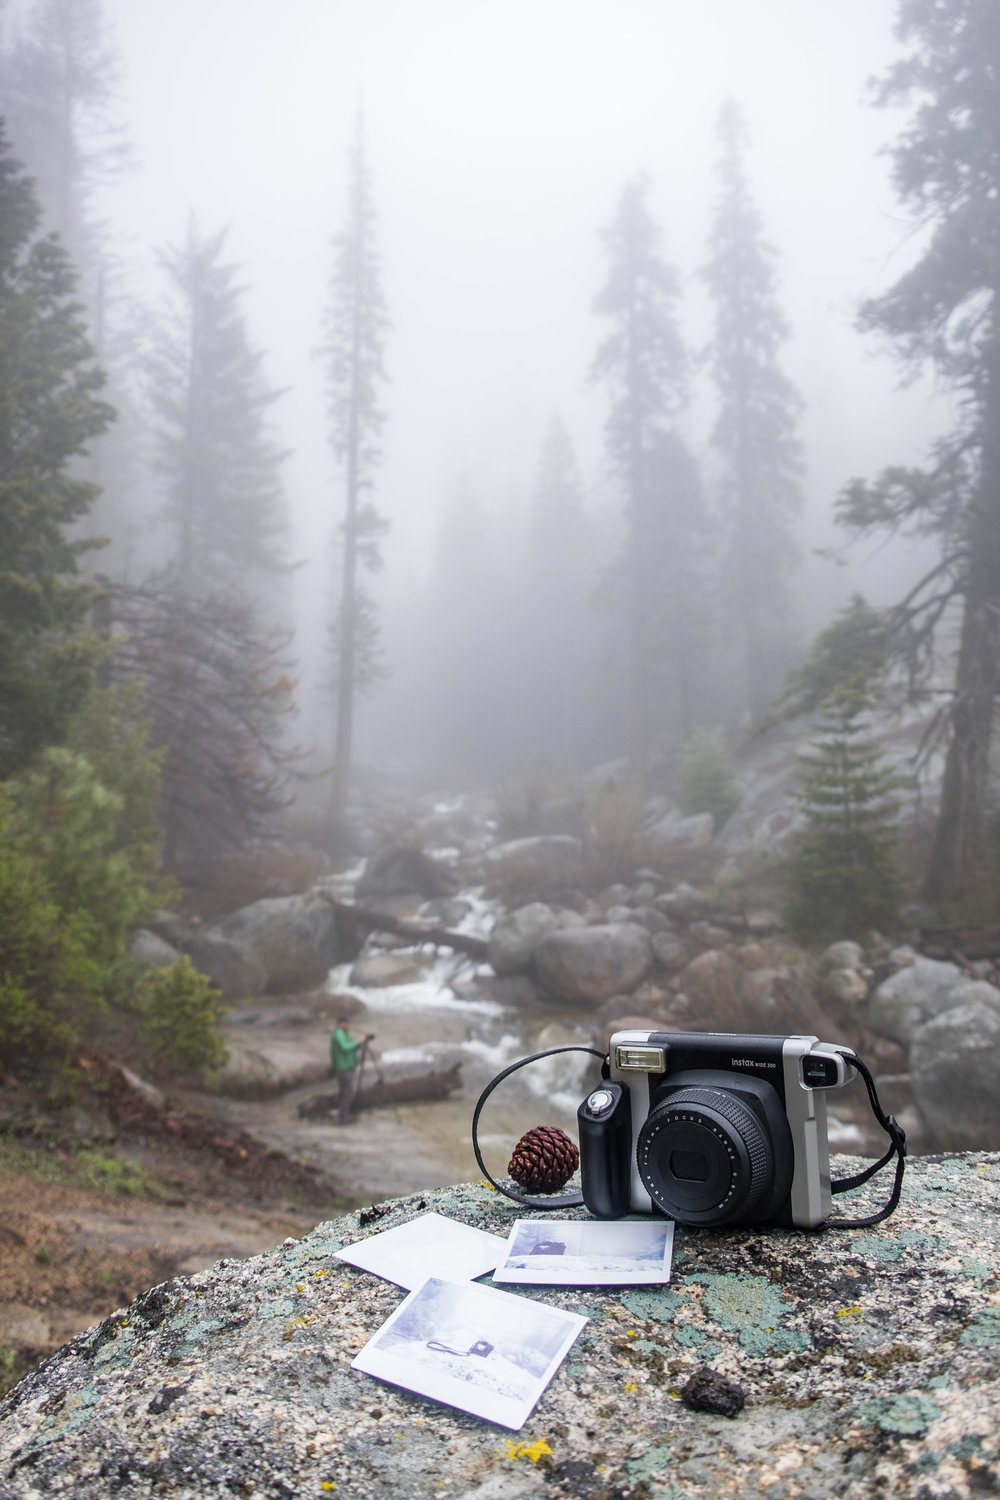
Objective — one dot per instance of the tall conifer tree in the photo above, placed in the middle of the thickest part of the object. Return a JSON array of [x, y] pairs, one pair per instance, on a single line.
[[220, 466], [555, 606], [755, 430], [644, 363], [57, 79], [50, 410], [356, 326], [945, 312]]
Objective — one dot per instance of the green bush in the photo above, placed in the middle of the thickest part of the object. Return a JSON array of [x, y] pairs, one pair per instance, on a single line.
[[705, 778], [70, 821], [49, 981], [181, 1012]]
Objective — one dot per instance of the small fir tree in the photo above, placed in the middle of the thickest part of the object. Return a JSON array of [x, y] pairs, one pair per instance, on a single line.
[[841, 877]]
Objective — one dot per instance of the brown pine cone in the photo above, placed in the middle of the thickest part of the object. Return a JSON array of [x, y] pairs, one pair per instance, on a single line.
[[544, 1160]]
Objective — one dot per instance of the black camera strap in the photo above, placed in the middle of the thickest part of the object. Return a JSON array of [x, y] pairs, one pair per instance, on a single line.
[[897, 1149], [569, 1200], [892, 1128]]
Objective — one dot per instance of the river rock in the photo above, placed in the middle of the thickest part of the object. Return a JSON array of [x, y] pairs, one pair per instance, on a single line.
[[380, 970], [294, 937], [917, 991], [515, 936], [677, 831], [845, 986], [955, 1065], [843, 955], [545, 859], [593, 963], [151, 951], [868, 1361], [232, 966], [402, 872]]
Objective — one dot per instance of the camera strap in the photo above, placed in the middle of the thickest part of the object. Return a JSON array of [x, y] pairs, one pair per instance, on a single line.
[[897, 1149], [889, 1123], [568, 1200]]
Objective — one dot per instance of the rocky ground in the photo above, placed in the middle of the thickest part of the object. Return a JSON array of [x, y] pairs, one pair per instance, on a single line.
[[792, 1366]]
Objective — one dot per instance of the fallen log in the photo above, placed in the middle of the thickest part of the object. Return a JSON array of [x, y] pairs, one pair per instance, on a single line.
[[413, 1088], [420, 932]]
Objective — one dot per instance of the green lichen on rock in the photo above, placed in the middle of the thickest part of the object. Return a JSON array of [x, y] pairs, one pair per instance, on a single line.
[[984, 1330], [754, 1309]]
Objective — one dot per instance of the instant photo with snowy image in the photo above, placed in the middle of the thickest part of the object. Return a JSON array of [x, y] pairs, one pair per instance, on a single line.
[[473, 1347], [574, 1252], [409, 1253]]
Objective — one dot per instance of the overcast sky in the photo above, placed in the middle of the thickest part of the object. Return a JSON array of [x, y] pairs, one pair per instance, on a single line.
[[500, 136]]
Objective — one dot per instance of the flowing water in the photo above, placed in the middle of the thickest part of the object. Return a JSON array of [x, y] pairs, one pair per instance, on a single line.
[[426, 1025], [422, 1026]]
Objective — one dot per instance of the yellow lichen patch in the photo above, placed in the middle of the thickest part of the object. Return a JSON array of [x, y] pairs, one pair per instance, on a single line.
[[481, 1182], [328, 1484], [631, 1387], [847, 1312], [321, 1273], [534, 1451]]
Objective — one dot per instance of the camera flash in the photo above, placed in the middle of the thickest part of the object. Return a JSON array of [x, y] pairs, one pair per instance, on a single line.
[[641, 1059]]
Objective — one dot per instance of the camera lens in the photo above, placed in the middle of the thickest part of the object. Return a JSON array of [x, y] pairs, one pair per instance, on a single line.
[[704, 1157]]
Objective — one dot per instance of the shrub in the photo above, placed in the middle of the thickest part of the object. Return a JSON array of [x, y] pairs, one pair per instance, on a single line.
[[705, 778], [181, 1012], [48, 978], [71, 823]]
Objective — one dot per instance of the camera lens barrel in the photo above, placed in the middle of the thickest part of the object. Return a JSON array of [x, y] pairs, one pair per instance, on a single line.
[[704, 1156]]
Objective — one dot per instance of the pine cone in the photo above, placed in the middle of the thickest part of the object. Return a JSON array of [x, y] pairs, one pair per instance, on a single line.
[[544, 1160]]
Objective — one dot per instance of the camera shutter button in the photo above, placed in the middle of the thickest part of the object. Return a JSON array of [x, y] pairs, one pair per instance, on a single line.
[[600, 1101]]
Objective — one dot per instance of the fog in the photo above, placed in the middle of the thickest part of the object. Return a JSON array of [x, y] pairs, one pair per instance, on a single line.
[[499, 140]]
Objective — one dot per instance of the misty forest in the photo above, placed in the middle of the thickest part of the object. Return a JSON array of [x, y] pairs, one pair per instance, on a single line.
[[499, 537]]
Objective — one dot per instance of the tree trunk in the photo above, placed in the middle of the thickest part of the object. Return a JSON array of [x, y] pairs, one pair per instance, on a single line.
[[956, 861]]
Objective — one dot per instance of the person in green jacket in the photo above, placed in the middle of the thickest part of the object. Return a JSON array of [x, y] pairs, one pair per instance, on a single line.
[[346, 1053]]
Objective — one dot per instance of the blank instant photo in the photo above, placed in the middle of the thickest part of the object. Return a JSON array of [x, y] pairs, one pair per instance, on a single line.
[[580, 1252], [473, 1347], [430, 1245]]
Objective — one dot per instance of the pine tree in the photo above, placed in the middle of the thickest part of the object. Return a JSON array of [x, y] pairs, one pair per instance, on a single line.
[[842, 874], [842, 877], [645, 365], [945, 312], [555, 615], [220, 466], [755, 430], [57, 78], [356, 325], [49, 411]]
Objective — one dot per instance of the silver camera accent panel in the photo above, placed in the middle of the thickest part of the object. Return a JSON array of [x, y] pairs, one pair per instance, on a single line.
[[638, 1086]]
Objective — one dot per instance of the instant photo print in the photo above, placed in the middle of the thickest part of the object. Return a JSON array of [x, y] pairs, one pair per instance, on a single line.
[[474, 1347], [577, 1252]]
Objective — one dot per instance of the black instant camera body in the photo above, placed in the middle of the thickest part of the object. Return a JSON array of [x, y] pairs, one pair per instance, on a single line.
[[712, 1129]]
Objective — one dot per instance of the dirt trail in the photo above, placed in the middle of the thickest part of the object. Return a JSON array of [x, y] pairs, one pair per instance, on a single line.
[[69, 1256]]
